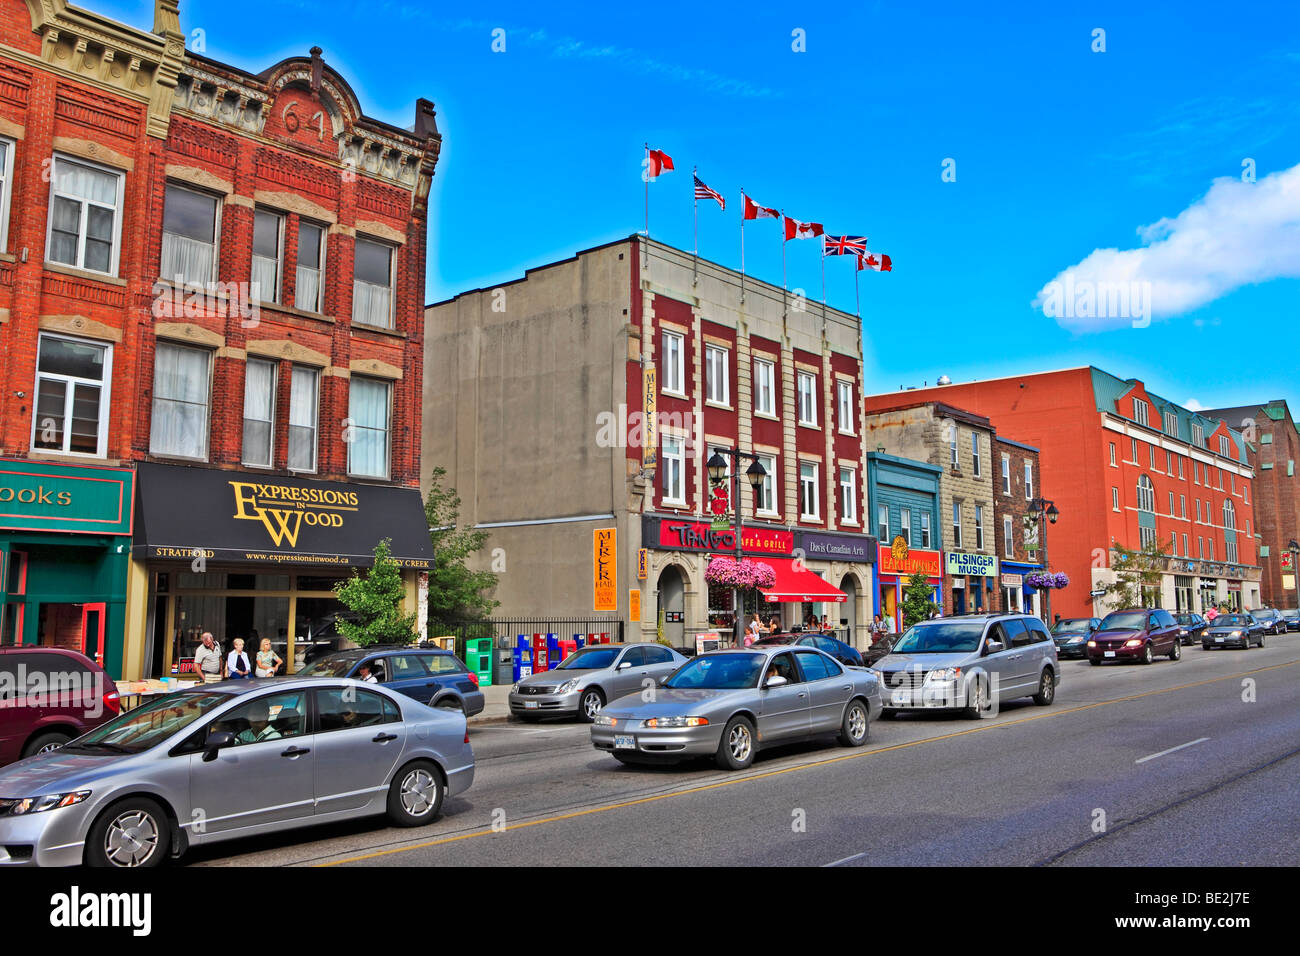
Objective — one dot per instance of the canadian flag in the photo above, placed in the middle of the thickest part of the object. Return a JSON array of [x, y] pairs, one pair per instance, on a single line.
[[659, 162], [754, 211], [794, 229], [875, 261]]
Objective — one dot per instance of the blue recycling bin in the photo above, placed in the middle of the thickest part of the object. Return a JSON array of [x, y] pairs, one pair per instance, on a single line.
[[523, 665]]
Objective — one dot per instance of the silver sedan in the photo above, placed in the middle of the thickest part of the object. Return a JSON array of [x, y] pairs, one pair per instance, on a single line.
[[227, 760], [728, 704], [585, 681]]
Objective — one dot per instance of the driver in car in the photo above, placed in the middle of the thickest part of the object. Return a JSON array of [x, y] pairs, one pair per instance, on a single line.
[[259, 726]]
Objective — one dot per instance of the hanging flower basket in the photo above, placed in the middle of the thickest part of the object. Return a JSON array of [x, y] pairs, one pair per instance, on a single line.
[[744, 574], [1046, 580]]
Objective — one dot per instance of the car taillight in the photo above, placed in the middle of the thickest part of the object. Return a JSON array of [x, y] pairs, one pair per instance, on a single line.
[[466, 735], [473, 677], [113, 701]]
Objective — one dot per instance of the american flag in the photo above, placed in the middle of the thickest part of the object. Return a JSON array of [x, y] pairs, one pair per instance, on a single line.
[[845, 245], [704, 192]]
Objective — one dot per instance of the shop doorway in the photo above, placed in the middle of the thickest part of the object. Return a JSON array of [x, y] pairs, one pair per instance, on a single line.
[[92, 631], [848, 611], [958, 599], [672, 606]]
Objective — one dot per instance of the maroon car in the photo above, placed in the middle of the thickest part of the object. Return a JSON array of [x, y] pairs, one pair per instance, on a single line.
[[48, 696], [1135, 634]]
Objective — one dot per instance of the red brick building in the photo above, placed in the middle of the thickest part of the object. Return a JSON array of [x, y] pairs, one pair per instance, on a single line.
[[1125, 466], [1273, 436], [205, 273], [1017, 486]]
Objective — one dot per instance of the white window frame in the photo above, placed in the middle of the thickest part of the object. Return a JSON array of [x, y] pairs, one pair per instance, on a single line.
[[70, 383], [848, 495], [1006, 474], [1186, 553], [6, 189], [768, 488], [388, 427], [1171, 504], [844, 393], [1224, 444], [1029, 479], [294, 372], [281, 223], [319, 307], [979, 527], [806, 483], [674, 470], [1141, 412], [207, 418], [1008, 537], [905, 524], [807, 392], [1135, 450], [81, 234], [764, 387], [1146, 495], [1146, 536], [673, 361], [217, 207], [275, 381], [1182, 506], [1114, 498], [717, 375], [389, 320], [1112, 456], [975, 453], [925, 529], [1171, 423], [882, 522], [956, 524], [1198, 435]]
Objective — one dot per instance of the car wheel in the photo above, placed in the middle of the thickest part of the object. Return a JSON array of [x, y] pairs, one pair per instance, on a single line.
[[1176, 652], [981, 698], [853, 729], [1261, 640], [1095, 661], [44, 743], [736, 749], [415, 795], [450, 703], [590, 704], [134, 833], [1205, 647], [1046, 690], [1147, 656]]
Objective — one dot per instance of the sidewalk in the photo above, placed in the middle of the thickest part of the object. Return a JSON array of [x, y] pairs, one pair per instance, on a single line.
[[496, 707]]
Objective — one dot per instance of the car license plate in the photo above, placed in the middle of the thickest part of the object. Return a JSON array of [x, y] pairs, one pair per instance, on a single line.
[[530, 705], [1108, 653], [625, 742], [1218, 640], [901, 697]]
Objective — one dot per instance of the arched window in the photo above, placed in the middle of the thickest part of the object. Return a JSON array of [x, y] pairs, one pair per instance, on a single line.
[[1146, 494], [1229, 516]]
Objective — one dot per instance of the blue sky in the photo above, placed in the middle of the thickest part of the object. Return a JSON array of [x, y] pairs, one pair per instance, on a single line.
[[1060, 151]]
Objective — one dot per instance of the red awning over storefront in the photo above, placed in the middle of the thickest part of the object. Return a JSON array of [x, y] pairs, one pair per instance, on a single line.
[[798, 584]]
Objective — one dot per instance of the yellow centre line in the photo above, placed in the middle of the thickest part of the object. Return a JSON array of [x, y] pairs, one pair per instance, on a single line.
[[748, 778]]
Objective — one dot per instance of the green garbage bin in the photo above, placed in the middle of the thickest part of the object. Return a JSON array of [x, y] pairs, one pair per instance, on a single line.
[[478, 658]]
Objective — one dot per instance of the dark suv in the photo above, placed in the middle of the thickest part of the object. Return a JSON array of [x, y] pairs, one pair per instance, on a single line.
[[1136, 634], [49, 695], [434, 677], [823, 642]]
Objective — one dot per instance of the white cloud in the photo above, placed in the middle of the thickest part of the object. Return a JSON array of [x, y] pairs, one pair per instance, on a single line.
[[1238, 233], [1192, 405]]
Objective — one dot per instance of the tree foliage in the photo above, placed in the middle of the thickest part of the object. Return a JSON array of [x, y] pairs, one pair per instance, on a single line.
[[456, 593], [1134, 571], [918, 603], [375, 600]]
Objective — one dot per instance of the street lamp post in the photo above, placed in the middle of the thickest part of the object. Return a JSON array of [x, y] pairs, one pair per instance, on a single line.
[[717, 468], [1037, 509]]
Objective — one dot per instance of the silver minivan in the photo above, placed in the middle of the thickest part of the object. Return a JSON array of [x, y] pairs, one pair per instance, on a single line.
[[971, 663]]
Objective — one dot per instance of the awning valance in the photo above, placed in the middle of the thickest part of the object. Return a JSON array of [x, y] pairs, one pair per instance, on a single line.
[[798, 584]]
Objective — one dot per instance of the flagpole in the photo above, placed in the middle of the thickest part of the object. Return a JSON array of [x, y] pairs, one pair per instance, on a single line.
[[695, 278], [784, 283], [646, 177], [823, 274], [742, 244], [857, 299]]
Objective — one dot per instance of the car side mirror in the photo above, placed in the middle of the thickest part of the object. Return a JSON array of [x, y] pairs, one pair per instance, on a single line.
[[215, 742], [625, 665], [992, 647], [776, 680]]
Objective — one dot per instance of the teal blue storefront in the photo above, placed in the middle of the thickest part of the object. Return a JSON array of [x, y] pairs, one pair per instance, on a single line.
[[65, 542]]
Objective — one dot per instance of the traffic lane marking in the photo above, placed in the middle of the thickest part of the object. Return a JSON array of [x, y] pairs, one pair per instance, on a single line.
[[1190, 743], [558, 818]]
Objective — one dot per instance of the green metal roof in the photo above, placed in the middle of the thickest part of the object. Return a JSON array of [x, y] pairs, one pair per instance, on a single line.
[[1108, 389]]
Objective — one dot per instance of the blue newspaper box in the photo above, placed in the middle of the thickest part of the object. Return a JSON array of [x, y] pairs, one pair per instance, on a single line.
[[554, 654], [523, 666]]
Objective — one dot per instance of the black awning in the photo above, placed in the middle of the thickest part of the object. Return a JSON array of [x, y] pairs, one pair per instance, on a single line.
[[267, 520]]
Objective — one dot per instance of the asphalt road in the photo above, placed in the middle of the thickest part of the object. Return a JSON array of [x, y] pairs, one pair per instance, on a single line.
[[1190, 763]]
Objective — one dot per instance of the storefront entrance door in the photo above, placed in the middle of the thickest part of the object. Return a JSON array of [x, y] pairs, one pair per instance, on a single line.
[[92, 631]]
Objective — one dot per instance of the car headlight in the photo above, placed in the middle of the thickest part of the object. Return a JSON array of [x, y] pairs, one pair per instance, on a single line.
[[1092, 643], [602, 720], [1183, 632], [1133, 643], [567, 686], [514, 688], [50, 801], [943, 675], [663, 722], [1235, 634]]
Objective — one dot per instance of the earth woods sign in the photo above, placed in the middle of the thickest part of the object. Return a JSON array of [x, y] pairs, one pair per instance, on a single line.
[[227, 516]]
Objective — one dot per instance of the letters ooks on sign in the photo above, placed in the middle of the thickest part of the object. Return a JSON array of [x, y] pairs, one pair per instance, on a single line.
[[317, 507], [34, 496]]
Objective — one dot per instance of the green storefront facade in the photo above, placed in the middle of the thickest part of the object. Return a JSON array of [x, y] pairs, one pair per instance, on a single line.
[[65, 550]]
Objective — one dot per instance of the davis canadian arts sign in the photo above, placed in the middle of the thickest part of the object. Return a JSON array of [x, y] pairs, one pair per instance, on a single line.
[[190, 513]]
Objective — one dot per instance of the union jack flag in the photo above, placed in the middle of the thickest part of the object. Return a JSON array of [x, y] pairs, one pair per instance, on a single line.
[[844, 245], [704, 192]]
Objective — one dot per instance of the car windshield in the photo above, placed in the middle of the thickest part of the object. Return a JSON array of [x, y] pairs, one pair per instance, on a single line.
[[940, 637], [1231, 620], [1186, 618], [719, 672], [590, 659], [1291, 614], [1262, 615], [1124, 621], [329, 667], [1076, 626], [777, 639], [149, 724]]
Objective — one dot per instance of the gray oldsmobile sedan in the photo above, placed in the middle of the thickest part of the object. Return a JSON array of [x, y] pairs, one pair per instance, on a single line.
[[227, 760], [586, 680], [728, 704]]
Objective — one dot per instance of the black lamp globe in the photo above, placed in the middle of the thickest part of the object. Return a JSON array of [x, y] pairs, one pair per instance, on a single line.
[[717, 467], [755, 473]]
